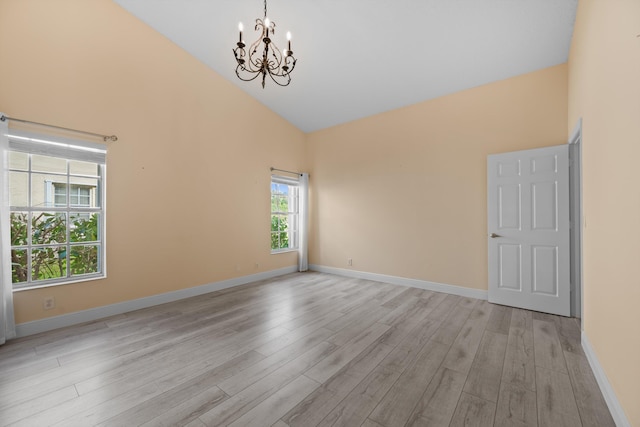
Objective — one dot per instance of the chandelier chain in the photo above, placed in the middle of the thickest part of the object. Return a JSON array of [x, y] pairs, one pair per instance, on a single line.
[[265, 9]]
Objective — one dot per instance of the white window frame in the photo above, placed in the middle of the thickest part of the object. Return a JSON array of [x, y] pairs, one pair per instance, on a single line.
[[292, 215], [69, 149]]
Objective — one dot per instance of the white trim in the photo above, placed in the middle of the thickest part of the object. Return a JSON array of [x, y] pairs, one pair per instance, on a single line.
[[605, 387], [303, 223], [403, 281], [50, 323], [7, 320], [575, 158], [576, 134]]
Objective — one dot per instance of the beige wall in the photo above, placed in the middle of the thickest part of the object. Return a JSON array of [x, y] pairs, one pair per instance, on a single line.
[[604, 90], [188, 181], [404, 193]]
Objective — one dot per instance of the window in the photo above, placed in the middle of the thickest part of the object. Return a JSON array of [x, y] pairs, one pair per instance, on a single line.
[[284, 214], [56, 197], [79, 195]]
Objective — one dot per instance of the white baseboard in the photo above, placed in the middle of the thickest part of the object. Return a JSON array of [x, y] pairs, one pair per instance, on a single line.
[[395, 280], [607, 391], [50, 323]]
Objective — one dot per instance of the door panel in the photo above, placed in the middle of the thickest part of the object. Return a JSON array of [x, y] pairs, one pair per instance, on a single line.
[[510, 261], [544, 196], [509, 168], [545, 270], [528, 220], [544, 164], [509, 206]]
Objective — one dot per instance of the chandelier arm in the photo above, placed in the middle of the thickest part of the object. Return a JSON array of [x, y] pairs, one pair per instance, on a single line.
[[248, 79], [277, 56], [287, 76], [290, 62], [279, 73], [259, 24], [293, 63], [248, 65], [255, 63]]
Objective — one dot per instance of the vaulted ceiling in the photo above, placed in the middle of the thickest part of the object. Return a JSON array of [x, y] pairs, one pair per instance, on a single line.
[[357, 58]]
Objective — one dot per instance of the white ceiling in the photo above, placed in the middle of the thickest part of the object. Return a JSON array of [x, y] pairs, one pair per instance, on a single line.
[[357, 58]]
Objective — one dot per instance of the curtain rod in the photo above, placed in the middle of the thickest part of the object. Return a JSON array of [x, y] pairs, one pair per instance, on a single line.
[[105, 138], [282, 170]]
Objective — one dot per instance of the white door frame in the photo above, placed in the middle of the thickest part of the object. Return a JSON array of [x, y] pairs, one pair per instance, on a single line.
[[576, 218]]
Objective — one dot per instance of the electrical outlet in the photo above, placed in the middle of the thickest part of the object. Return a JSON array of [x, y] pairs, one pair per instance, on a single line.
[[350, 262], [48, 303]]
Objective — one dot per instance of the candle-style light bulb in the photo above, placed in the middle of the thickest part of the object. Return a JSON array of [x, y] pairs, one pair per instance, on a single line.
[[266, 25], [289, 40], [240, 27]]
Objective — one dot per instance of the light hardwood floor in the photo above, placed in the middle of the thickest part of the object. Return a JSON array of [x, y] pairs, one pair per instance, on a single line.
[[304, 350]]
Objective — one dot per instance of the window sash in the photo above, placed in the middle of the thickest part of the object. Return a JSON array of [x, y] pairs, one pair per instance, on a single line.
[[77, 202], [291, 214]]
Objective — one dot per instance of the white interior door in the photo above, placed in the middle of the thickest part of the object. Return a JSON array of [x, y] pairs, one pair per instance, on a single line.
[[528, 208]]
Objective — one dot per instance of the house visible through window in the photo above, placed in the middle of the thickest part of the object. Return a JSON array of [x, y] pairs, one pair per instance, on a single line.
[[57, 214], [284, 214]]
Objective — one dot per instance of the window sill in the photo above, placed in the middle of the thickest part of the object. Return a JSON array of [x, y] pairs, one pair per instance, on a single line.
[[66, 282], [283, 251]]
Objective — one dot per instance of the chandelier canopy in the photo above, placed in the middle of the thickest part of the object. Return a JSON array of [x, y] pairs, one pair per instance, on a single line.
[[263, 57]]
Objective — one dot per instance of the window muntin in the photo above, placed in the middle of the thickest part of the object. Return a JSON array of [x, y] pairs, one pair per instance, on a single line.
[[56, 235], [284, 214]]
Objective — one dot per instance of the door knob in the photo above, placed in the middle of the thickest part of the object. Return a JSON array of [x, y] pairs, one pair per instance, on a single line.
[[494, 235]]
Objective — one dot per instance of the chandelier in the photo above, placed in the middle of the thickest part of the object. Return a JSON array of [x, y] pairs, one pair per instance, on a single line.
[[263, 57]]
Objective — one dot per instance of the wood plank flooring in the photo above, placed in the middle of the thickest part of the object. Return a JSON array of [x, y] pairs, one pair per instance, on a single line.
[[306, 349]]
